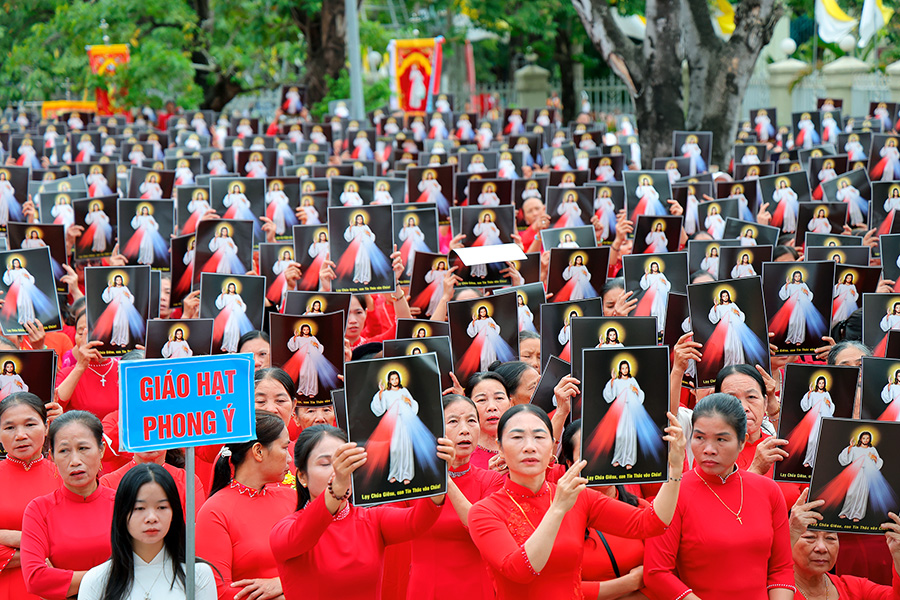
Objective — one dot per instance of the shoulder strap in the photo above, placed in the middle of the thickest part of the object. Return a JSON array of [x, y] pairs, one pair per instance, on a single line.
[[612, 558]]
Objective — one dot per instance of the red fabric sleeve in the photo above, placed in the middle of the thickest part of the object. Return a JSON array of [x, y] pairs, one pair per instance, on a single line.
[[40, 580], [781, 561], [620, 519], [215, 546], [590, 590], [6, 555], [865, 589], [300, 532], [660, 554], [399, 524], [497, 546]]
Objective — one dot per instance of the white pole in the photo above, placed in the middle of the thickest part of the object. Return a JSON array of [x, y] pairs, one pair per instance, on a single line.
[[190, 549], [357, 103]]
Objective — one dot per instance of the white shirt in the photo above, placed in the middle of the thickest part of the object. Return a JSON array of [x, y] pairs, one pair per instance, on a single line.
[[147, 578]]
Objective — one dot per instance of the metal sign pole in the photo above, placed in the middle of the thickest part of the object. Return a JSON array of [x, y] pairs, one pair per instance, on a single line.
[[190, 546], [357, 102]]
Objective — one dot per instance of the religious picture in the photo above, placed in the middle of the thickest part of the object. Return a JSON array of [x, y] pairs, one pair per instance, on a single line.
[[854, 477], [798, 303], [421, 328], [235, 302], [192, 203], [183, 249], [646, 193], [118, 301], [820, 217], [145, 230], [728, 320], [657, 235], [98, 218], [749, 234], [432, 185], [274, 260], [307, 350], [178, 339], [440, 346], [13, 194], [784, 193], [738, 262], [624, 414], [242, 199], [40, 235], [810, 394], [484, 227], [608, 332], [482, 330], [150, 184], [570, 237], [394, 412], [576, 274], [570, 207], [556, 325], [27, 371], [650, 278], [29, 292], [223, 246], [695, 146], [529, 298], [881, 314], [415, 230], [361, 244]]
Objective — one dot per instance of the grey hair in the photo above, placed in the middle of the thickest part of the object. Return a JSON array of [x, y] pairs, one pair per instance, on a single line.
[[845, 345]]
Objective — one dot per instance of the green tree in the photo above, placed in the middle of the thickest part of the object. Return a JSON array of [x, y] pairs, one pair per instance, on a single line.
[[200, 52]]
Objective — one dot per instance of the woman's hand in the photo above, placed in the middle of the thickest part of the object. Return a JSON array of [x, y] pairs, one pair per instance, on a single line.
[[565, 390], [258, 589], [498, 463], [268, 227], [190, 306], [87, 353], [686, 349], [512, 272], [73, 232], [327, 274], [764, 217], [569, 487], [803, 514], [675, 437], [446, 450], [116, 260], [456, 242], [347, 459], [36, 335], [624, 305], [397, 264], [768, 452], [71, 281]]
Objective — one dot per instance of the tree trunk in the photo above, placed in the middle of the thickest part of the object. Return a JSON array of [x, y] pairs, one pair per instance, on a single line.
[[723, 70], [563, 57], [217, 95], [719, 70], [326, 33]]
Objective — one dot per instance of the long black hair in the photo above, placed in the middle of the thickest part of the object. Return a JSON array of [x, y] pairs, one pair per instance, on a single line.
[[120, 580], [268, 429], [307, 441], [511, 372]]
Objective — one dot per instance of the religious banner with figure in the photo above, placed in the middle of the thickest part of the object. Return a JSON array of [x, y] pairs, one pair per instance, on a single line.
[[415, 73]]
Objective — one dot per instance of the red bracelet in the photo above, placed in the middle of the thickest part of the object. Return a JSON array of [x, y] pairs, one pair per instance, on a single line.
[[331, 491]]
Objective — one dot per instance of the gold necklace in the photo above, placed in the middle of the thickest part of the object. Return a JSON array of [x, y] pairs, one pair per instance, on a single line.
[[737, 515], [521, 510], [802, 593]]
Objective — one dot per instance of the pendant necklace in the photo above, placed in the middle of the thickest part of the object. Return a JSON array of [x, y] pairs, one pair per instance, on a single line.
[[737, 515], [103, 375]]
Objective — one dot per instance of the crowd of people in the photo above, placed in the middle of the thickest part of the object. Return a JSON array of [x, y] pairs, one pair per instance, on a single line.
[[81, 517]]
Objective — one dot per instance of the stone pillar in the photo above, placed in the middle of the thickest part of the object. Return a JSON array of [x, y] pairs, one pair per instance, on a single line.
[[839, 76], [782, 75], [532, 86], [893, 76]]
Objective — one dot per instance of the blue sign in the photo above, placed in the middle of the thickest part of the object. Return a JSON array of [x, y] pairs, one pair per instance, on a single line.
[[179, 402]]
